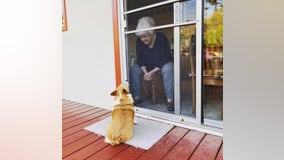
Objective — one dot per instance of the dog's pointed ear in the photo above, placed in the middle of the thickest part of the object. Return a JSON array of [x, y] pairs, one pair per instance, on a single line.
[[114, 93], [124, 91]]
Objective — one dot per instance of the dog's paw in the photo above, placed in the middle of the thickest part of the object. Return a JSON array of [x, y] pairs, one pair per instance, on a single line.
[[107, 140], [135, 122]]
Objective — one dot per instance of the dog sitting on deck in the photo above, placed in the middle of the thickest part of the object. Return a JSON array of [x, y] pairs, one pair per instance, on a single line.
[[121, 127]]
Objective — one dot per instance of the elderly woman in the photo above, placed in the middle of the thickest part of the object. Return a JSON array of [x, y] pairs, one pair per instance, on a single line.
[[153, 55]]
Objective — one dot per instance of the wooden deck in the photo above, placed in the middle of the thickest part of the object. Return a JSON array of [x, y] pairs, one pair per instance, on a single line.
[[178, 144]]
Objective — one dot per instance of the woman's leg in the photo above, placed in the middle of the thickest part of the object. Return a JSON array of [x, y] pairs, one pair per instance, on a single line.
[[135, 80], [168, 78]]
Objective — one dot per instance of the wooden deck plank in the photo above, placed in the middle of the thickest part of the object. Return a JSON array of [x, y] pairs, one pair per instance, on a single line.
[[74, 137], [84, 119], [164, 145], [70, 119], [70, 106], [66, 104], [73, 108], [77, 128], [108, 152], [76, 119], [185, 148], [77, 112], [208, 148], [177, 144], [66, 100], [88, 151], [68, 149], [74, 113], [220, 154], [129, 153]]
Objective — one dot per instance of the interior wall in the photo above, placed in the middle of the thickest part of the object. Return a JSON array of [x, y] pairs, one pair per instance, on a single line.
[[88, 73]]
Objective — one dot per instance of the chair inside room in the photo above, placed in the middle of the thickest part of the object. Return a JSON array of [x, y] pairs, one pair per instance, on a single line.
[[152, 86]]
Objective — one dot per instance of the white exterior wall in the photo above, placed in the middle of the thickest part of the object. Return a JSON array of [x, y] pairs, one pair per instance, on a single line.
[[88, 72]]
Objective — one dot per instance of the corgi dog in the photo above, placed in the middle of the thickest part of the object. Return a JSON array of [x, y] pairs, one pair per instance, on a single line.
[[121, 127]]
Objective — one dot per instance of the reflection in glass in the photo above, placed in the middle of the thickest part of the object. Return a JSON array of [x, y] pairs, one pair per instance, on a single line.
[[213, 60], [131, 4], [162, 15], [189, 11], [187, 70]]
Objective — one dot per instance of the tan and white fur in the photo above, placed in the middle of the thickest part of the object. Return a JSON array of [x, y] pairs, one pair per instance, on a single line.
[[121, 127]]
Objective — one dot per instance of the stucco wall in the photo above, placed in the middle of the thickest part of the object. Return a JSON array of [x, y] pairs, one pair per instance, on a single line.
[[88, 74]]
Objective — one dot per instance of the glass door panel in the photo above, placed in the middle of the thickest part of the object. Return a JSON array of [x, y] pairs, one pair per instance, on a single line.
[[188, 70], [213, 60], [152, 92], [133, 4], [197, 58], [169, 17], [162, 15], [188, 11]]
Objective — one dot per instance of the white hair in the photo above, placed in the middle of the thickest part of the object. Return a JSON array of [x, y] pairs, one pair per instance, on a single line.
[[143, 23]]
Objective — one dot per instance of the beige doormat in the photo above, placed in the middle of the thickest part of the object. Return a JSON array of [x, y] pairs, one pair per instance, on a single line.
[[146, 133]]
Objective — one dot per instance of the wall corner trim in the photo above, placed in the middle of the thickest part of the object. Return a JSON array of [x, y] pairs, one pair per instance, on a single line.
[[116, 41]]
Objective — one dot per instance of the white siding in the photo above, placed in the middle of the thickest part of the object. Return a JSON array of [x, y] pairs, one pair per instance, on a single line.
[[88, 54]]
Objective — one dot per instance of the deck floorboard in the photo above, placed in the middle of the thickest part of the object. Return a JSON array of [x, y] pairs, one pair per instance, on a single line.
[[179, 143]]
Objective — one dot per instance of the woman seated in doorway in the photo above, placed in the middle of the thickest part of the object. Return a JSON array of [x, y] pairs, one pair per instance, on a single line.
[[153, 55]]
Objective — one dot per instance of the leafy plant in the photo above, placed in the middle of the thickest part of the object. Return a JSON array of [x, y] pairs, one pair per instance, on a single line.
[[213, 30]]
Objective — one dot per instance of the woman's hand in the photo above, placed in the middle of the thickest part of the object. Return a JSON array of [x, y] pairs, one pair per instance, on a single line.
[[148, 76]]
